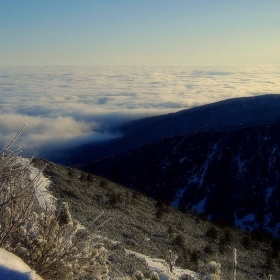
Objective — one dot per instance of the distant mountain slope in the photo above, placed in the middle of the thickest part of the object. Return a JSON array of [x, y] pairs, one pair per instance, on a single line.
[[227, 114], [230, 113], [232, 175]]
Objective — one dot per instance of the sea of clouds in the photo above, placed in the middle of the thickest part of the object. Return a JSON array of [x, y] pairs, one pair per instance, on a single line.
[[69, 106]]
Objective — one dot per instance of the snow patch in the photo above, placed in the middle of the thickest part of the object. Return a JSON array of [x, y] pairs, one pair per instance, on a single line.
[[199, 207], [213, 151], [43, 195], [268, 194], [241, 164], [199, 177], [14, 268], [273, 230], [182, 159], [178, 196], [162, 267], [247, 222], [272, 159], [204, 169], [267, 221], [193, 179]]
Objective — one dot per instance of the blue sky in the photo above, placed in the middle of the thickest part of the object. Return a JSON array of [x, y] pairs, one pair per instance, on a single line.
[[146, 32]]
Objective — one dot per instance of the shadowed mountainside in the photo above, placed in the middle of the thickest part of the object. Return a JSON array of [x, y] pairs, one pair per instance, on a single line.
[[231, 175], [224, 115]]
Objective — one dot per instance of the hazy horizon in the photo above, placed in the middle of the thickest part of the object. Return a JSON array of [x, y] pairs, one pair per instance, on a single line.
[[68, 106], [215, 50]]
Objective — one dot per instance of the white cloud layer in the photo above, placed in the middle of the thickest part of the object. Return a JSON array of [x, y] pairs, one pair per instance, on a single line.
[[73, 105]]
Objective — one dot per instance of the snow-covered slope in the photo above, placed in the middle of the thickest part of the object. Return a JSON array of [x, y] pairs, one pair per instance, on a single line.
[[162, 268], [44, 197]]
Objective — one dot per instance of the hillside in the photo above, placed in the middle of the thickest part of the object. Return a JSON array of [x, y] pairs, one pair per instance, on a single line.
[[223, 115], [143, 225], [231, 175]]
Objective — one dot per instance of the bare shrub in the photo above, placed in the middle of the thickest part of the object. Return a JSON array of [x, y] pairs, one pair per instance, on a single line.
[[49, 241], [103, 183], [154, 276], [58, 251], [194, 256], [179, 240], [138, 275], [160, 213], [208, 249], [170, 229], [83, 177], [90, 178], [228, 236], [17, 194], [115, 198], [269, 262], [212, 232], [162, 208], [246, 242], [71, 172], [214, 271], [222, 248]]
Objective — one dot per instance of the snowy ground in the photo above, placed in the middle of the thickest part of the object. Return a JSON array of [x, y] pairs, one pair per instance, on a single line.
[[43, 195], [162, 267], [13, 268]]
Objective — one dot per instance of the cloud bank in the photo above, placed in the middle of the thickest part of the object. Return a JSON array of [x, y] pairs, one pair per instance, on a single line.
[[67, 106]]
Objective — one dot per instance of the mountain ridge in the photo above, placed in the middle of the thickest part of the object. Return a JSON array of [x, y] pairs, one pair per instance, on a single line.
[[224, 115]]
